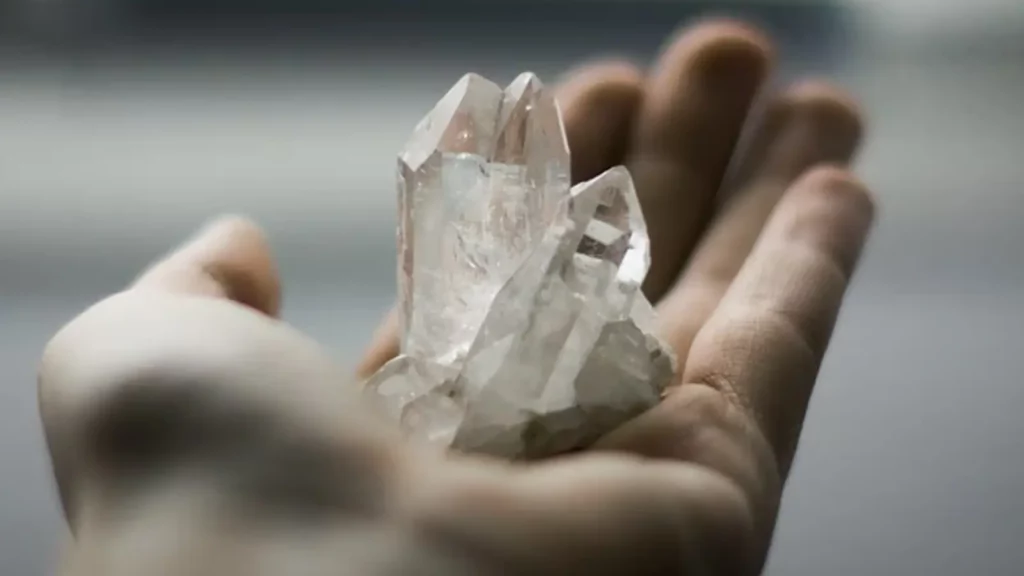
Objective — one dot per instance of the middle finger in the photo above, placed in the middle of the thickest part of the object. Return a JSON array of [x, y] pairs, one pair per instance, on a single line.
[[696, 102]]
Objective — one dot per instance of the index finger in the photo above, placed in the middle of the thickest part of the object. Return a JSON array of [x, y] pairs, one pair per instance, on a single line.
[[751, 370], [763, 346]]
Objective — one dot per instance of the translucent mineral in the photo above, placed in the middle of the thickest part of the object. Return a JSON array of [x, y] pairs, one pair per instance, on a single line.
[[524, 332]]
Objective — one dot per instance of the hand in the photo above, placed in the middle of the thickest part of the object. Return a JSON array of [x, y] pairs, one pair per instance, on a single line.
[[193, 432]]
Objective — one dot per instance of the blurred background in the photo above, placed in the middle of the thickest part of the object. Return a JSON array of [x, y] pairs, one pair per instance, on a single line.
[[125, 124]]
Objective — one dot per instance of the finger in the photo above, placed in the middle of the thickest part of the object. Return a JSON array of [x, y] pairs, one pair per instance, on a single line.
[[808, 125], [751, 370], [812, 122], [598, 104], [230, 258], [598, 514], [694, 108], [763, 345]]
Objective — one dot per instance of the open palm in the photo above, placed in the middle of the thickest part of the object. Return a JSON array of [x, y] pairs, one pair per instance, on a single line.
[[193, 432]]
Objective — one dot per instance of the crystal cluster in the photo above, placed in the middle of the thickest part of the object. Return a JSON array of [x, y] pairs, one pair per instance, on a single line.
[[524, 330]]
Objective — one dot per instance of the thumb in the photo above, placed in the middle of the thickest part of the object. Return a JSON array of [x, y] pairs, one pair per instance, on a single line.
[[229, 258]]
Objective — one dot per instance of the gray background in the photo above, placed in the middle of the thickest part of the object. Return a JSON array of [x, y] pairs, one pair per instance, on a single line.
[[122, 131]]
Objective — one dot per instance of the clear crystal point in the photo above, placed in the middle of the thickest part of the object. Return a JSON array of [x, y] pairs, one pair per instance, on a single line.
[[479, 182], [524, 329]]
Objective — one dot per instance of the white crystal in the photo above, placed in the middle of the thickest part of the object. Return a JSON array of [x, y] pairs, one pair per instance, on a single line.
[[524, 329], [478, 183]]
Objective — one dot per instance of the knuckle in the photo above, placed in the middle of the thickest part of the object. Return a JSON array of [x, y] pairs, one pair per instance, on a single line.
[[701, 422], [152, 419], [727, 396]]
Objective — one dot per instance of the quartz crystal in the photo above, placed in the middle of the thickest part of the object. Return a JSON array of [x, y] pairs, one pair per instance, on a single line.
[[524, 332]]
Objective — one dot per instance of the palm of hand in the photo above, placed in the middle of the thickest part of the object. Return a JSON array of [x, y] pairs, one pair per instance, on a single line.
[[193, 432]]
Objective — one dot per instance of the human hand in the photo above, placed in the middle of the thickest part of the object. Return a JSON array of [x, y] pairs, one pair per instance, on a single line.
[[193, 432]]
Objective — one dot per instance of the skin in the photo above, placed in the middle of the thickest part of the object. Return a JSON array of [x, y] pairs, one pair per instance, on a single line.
[[194, 432]]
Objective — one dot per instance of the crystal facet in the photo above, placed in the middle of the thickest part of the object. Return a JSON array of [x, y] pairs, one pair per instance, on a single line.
[[480, 178], [524, 329]]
